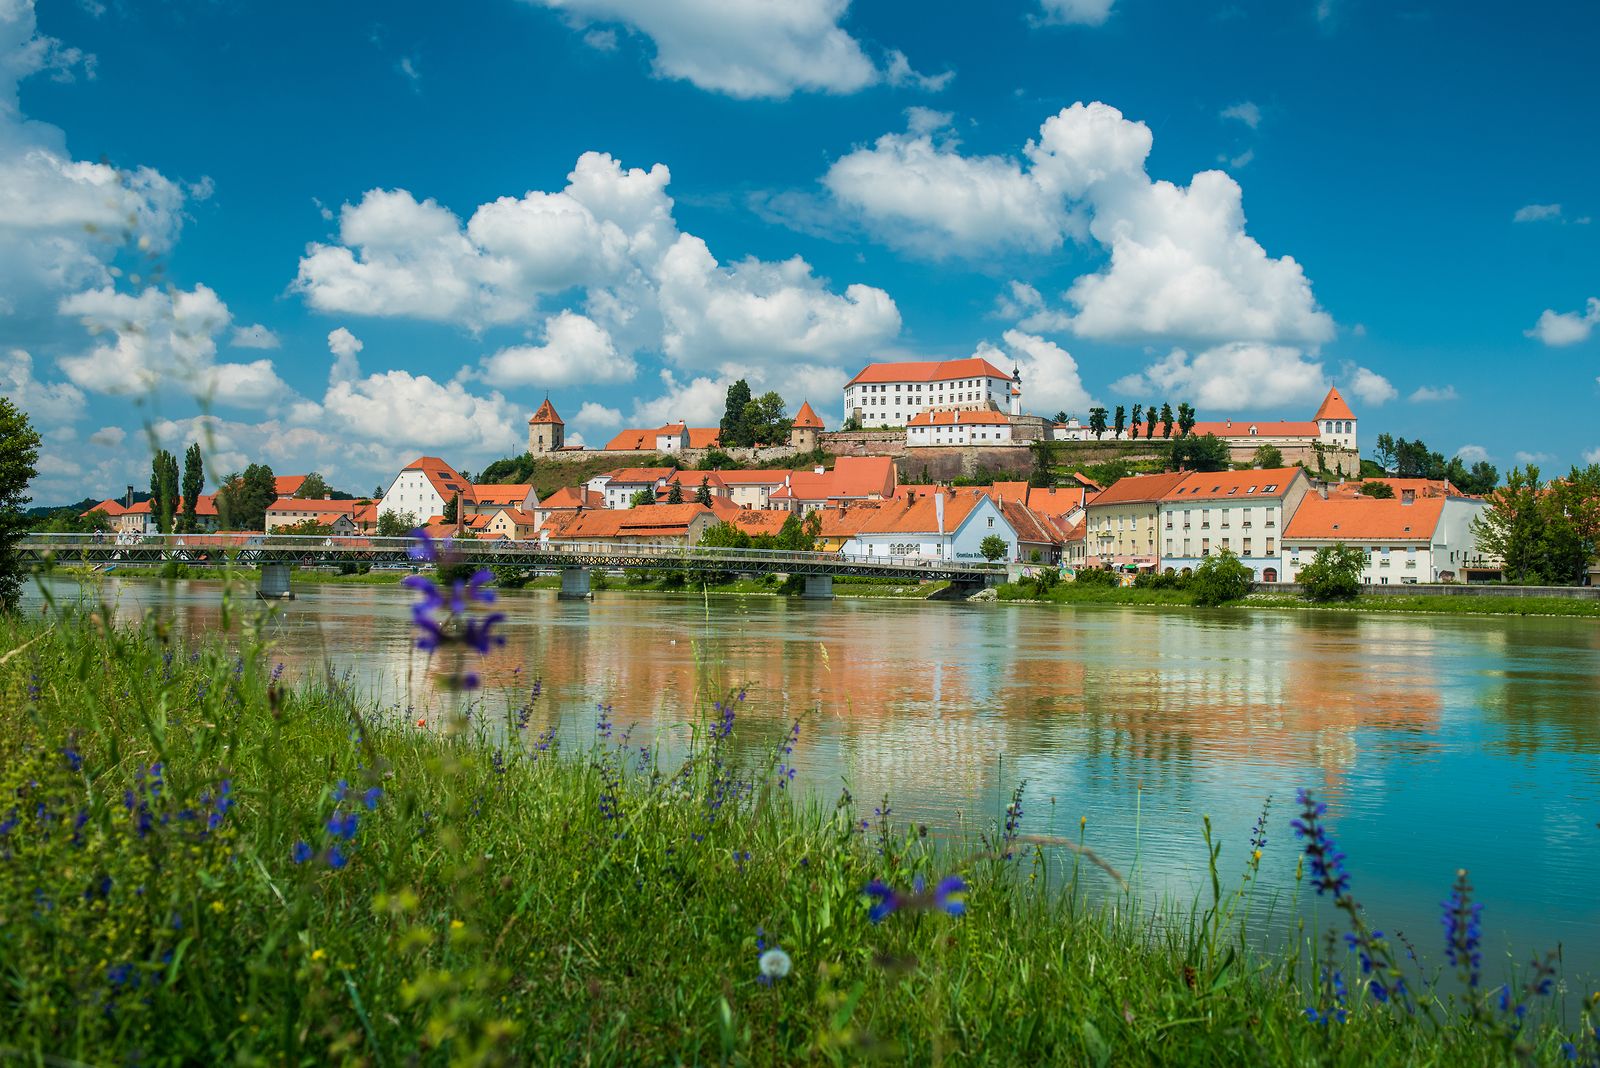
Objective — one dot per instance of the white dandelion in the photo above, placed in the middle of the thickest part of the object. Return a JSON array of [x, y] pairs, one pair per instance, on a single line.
[[774, 964]]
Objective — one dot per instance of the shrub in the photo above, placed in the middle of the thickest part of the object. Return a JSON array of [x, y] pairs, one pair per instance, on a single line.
[[1095, 576], [1335, 573], [1220, 579]]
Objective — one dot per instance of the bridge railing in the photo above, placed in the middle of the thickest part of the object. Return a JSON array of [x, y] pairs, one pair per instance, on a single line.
[[67, 545]]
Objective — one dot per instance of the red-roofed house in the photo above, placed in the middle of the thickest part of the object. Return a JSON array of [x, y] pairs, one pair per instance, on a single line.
[[108, 507], [676, 524], [620, 487], [936, 527], [966, 427], [1244, 512], [512, 523], [1422, 539], [853, 478], [546, 431], [288, 485], [889, 394], [489, 499], [292, 511], [1122, 521], [423, 488], [141, 520], [753, 489], [566, 501], [674, 437]]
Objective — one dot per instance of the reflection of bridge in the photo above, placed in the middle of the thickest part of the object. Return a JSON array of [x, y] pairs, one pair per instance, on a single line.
[[276, 554]]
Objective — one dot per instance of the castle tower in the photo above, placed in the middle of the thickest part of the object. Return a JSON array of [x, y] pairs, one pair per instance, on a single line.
[[546, 431], [1336, 424], [1016, 390], [803, 432]]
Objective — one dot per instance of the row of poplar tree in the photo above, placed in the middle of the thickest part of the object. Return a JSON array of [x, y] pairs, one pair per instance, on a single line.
[[173, 501]]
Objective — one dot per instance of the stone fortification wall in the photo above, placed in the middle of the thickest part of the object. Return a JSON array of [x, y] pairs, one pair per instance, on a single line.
[[686, 457]]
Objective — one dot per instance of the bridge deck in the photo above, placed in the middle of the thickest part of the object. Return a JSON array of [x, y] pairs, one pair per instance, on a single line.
[[252, 550]]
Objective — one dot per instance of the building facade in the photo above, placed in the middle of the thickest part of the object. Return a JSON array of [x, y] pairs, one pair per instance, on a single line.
[[932, 527], [423, 487], [546, 431], [1242, 512], [969, 427], [889, 394], [804, 431], [1120, 530], [1405, 540]]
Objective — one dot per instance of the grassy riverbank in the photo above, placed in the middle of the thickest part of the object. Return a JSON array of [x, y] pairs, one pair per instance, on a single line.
[[1072, 593], [203, 863]]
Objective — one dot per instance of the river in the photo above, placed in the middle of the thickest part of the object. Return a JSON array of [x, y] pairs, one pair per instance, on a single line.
[[1438, 742]]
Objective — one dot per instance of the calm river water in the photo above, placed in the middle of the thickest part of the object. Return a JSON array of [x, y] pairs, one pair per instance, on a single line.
[[1439, 743]]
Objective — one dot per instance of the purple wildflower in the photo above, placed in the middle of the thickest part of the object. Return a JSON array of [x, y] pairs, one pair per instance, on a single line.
[[343, 825], [300, 853]]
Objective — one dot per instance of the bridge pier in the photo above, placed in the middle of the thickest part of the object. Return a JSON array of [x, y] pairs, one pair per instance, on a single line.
[[574, 584], [275, 583], [818, 588]]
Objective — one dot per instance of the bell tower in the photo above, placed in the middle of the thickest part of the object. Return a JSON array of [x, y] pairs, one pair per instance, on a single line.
[[546, 431]]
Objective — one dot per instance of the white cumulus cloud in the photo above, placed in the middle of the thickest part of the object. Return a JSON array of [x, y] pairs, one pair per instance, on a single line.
[[1076, 12], [1180, 264], [1431, 394], [1566, 328], [346, 349], [45, 403], [1051, 381], [576, 349], [1471, 454], [770, 48], [1246, 111], [1536, 213], [1369, 386], [1241, 375], [254, 337]]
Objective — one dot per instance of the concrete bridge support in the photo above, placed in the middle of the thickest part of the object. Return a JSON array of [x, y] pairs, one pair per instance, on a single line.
[[574, 584], [275, 583], [818, 588]]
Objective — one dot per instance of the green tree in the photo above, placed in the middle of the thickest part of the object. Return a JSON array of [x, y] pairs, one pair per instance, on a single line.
[[1205, 453], [315, 487], [732, 427], [1042, 475], [1383, 452], [1166, 420], [703, 494], [243, 500], [1381, 491], [1220, 578], [452, 508], [675, 493], [1150, 421], [1334, 574], [1186, 418], [1121, 423], [1061, 416], [306, 528], [1481, 478], [993, 547], [642, 497], [1511, 527], [764, 421], [1135, 419], [1097, 422], [163, 489], [19, 451], [1268, 456], [725, 535], [394, 524], [194, 480], [799, 535]]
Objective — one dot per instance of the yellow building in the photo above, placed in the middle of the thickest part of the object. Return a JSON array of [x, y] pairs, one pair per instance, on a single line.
[[1122, 522]]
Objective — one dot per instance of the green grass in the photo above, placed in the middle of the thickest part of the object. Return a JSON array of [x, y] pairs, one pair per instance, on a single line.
[[1075, 593], [598, 905], [1426, 604]]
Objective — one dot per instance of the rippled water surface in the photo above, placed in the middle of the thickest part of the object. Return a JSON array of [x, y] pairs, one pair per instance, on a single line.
[[1439, 743]]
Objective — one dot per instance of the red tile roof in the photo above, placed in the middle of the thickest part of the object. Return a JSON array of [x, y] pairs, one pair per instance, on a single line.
[[928, 371], [288, 485], [295, 504], [705, 437], [445, 480], [755, 521], [642, 475], [643, 439], [1239, 485], [920, 516], [1422, 487], [1364, 519], [1139, 489], [960, 418], [1056, 501], [767, 477], [110, 507], [647, 520], [505, 493], [805, 417], [1240, 428], [546, 414], [1334, 407], [204, 504], [852, 478], [569, 497]]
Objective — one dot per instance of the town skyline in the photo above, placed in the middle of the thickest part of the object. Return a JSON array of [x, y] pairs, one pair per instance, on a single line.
[[1225, 237]]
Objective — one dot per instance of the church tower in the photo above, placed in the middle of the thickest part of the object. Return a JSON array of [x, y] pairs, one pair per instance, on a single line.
[[803, 432], [545, 429], [1016, 390]]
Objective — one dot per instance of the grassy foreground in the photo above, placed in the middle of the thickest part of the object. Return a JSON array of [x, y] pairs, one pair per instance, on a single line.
[[1072, 593], [199, 863]]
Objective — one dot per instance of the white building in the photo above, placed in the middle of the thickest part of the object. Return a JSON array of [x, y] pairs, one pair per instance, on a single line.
[[890, 394], [1243, 512], [423, 487], [932, 526], [618, 488], [970, 427], [1406, 539]]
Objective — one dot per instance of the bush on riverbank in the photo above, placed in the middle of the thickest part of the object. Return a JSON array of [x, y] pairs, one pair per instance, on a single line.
[[202, 863]]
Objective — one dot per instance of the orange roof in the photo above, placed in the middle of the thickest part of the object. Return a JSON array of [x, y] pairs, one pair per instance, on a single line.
[[108, 506], [632, 441], [365, 514], [805, 417], [1030, 528], [644, 521], [546, 414], [1084, 480], [1245, 485], [920, 516], [1240, 428], [705, 437], [574, 498], [642, 475], [502, 493], [1334, 407], [864, 476], [204, 504], [1364, 519], [294, 504], [288, 485], [1421, 487], [1056, 501], [845, 522], [445, 480], [1139, 488], [692, 479], [770, 477], [759, 520], [517, 516], [644, 439], [928, 371], [961, 418]]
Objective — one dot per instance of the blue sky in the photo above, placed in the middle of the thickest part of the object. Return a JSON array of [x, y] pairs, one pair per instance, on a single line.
[[338, 236]]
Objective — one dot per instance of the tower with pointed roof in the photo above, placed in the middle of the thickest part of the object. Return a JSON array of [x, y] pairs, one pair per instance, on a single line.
[[546, 431], [1016, 390], [804, 430], [1336, 424]]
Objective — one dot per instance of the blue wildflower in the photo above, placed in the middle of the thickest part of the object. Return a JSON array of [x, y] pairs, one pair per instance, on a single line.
[[336, 858], [371, 797], [300, 853], [343, 825]]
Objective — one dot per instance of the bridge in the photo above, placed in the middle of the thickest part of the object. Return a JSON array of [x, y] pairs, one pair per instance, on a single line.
[[277, 554]]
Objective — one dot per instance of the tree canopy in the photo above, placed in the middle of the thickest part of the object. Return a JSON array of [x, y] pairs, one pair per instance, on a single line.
[[1334, 574], [315, 487], [243, 500], [1268, 456], [1204, 453], [1220, 578], [19, 451], [1544, 533]]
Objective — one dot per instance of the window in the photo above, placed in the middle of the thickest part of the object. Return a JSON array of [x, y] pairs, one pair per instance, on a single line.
[[991, 521]]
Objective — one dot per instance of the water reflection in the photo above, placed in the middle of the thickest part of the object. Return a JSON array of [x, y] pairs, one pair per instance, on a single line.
[[1439, 743]]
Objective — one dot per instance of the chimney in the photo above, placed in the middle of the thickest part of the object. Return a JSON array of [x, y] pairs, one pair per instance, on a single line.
[[128, 501], [818, 470], [938, 511], [911, 496]]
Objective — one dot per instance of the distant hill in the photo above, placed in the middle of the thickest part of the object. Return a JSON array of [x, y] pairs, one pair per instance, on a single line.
[[40, 511]]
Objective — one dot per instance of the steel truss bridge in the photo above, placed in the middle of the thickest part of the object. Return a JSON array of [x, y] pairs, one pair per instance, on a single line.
[[277, 554]]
